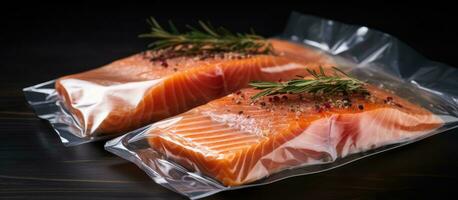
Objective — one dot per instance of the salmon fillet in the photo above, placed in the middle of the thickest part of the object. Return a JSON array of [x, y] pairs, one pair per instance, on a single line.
[[132, 92], [236, 141]]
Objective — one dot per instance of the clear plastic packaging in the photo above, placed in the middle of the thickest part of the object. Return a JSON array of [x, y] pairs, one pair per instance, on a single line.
[[135, 91], [231, 143]]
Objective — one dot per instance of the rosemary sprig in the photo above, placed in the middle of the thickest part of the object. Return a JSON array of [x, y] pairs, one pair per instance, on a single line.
[[320, 84], [207, 39]]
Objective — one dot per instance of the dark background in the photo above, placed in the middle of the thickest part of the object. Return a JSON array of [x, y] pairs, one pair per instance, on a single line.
[[42, 42]]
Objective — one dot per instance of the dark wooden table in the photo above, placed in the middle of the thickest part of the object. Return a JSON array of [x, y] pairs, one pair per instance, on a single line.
[[45, 44]]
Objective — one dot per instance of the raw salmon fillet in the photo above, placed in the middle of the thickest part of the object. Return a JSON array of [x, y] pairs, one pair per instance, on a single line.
[[237, 141], [135, 91]]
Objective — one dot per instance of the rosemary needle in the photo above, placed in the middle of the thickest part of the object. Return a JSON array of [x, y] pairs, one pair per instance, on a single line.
[[320, 84], [207, 39]]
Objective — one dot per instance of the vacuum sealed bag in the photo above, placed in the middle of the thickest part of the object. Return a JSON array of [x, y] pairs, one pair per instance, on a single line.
[[144, 88], [276, 130]]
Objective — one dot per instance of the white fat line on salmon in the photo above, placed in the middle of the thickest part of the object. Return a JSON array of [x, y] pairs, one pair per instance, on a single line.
[[220, 72], [283, 68]]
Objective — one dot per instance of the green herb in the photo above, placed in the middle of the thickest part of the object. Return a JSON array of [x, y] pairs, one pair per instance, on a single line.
[[207, 39], [320, 84]]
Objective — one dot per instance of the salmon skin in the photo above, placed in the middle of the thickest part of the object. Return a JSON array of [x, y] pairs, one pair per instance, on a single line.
[[236, 141], [135, 91]]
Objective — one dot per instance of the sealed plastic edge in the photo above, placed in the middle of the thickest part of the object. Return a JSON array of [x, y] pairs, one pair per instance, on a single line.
[[43, 99]]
